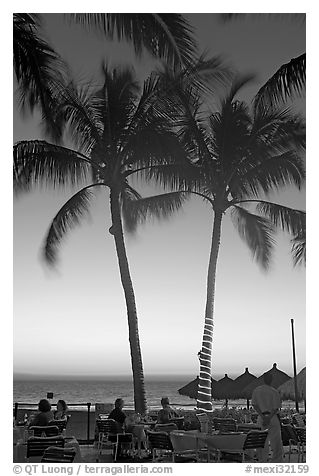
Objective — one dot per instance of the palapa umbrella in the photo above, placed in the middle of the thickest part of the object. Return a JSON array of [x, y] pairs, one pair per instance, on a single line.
[[278, 378], [287, 389], [241, 382], [190, 390], [224, 388]]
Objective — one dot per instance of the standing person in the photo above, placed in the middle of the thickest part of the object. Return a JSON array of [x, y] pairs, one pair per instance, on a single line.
[[117, 413], [267, 402], [166, 413]]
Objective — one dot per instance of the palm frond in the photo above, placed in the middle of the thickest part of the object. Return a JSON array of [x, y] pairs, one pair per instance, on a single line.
[[278, 128], [267, 174], [287, 219], [165, 35], [39, 70], [298, 249], [67, 218], [158, 206], [78, 116], [294, 17], [41, 163], [239, 82], [129, 195], [257, 232], [289, 80]]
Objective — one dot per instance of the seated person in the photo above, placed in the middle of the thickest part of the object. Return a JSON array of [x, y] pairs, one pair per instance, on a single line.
[[117, 414], [167, 413], [60, 412], [44, 415]]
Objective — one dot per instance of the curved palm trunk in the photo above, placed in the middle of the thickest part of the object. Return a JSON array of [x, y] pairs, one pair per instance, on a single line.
[[204, 399], [136, 355]]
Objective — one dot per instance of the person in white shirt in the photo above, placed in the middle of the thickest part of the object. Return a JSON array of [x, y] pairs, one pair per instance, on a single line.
[[267, 402]]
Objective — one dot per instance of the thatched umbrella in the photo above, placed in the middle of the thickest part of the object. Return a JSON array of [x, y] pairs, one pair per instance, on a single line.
[[278, 378], [190, 390], [241, 382], [224, 388], [287, 389]]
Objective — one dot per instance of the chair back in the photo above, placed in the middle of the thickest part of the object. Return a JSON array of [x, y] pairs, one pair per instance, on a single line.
[[159, 440], [244, 428], [178, 421], [301, 435], [55, 454], [203, 421], [106, 427], [288, 434], [167, 427], [182, 441], [224, 424], [255, 439], [47, 431], [37, 446], [61, 424], [298, 420]]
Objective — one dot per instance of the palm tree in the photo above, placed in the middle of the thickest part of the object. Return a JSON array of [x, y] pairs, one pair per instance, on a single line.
[[243, 155], [114, 133], [167, 36], [39, 70]]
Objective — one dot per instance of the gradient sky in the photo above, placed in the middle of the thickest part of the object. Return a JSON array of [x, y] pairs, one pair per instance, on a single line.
[[77, 313]]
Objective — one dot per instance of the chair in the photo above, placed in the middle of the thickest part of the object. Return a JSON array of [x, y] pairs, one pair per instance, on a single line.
[[184, 447], [289, 438], [37, 445], [159, 443], [107, 431], [298, 420], [178, 421], [55, 454], [224, 424], [49, 430], [253, 441], [125, 439], [203, 421], [301, 434], [244, 428], [167, 427], [61, 424]]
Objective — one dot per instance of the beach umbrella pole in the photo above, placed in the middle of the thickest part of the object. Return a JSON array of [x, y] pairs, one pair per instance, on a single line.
[[294, 364]]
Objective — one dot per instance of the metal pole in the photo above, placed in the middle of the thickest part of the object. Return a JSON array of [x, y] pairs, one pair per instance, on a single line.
[[88, 424], [294, 364]]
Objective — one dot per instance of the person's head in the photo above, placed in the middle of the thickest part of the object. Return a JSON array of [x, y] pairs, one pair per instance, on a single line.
[[119, 403], [268, 378], [44, 405], [61, 406], [165, 402]]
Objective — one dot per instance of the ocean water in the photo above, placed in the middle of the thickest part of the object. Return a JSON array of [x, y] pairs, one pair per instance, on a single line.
[[104, 391]]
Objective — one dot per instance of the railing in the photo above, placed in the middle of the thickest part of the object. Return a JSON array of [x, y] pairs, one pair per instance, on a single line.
[[30, 406]]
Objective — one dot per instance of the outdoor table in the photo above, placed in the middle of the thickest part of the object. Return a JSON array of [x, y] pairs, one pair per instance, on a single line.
[[223, 442]]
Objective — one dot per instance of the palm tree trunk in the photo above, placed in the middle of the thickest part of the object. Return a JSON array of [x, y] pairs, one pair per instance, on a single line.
[[204, 399], [136, 355]]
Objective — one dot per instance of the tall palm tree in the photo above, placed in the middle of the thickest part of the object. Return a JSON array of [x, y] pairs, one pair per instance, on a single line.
[[113, 133], [167, 36], [243, 155], [39, 70]]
